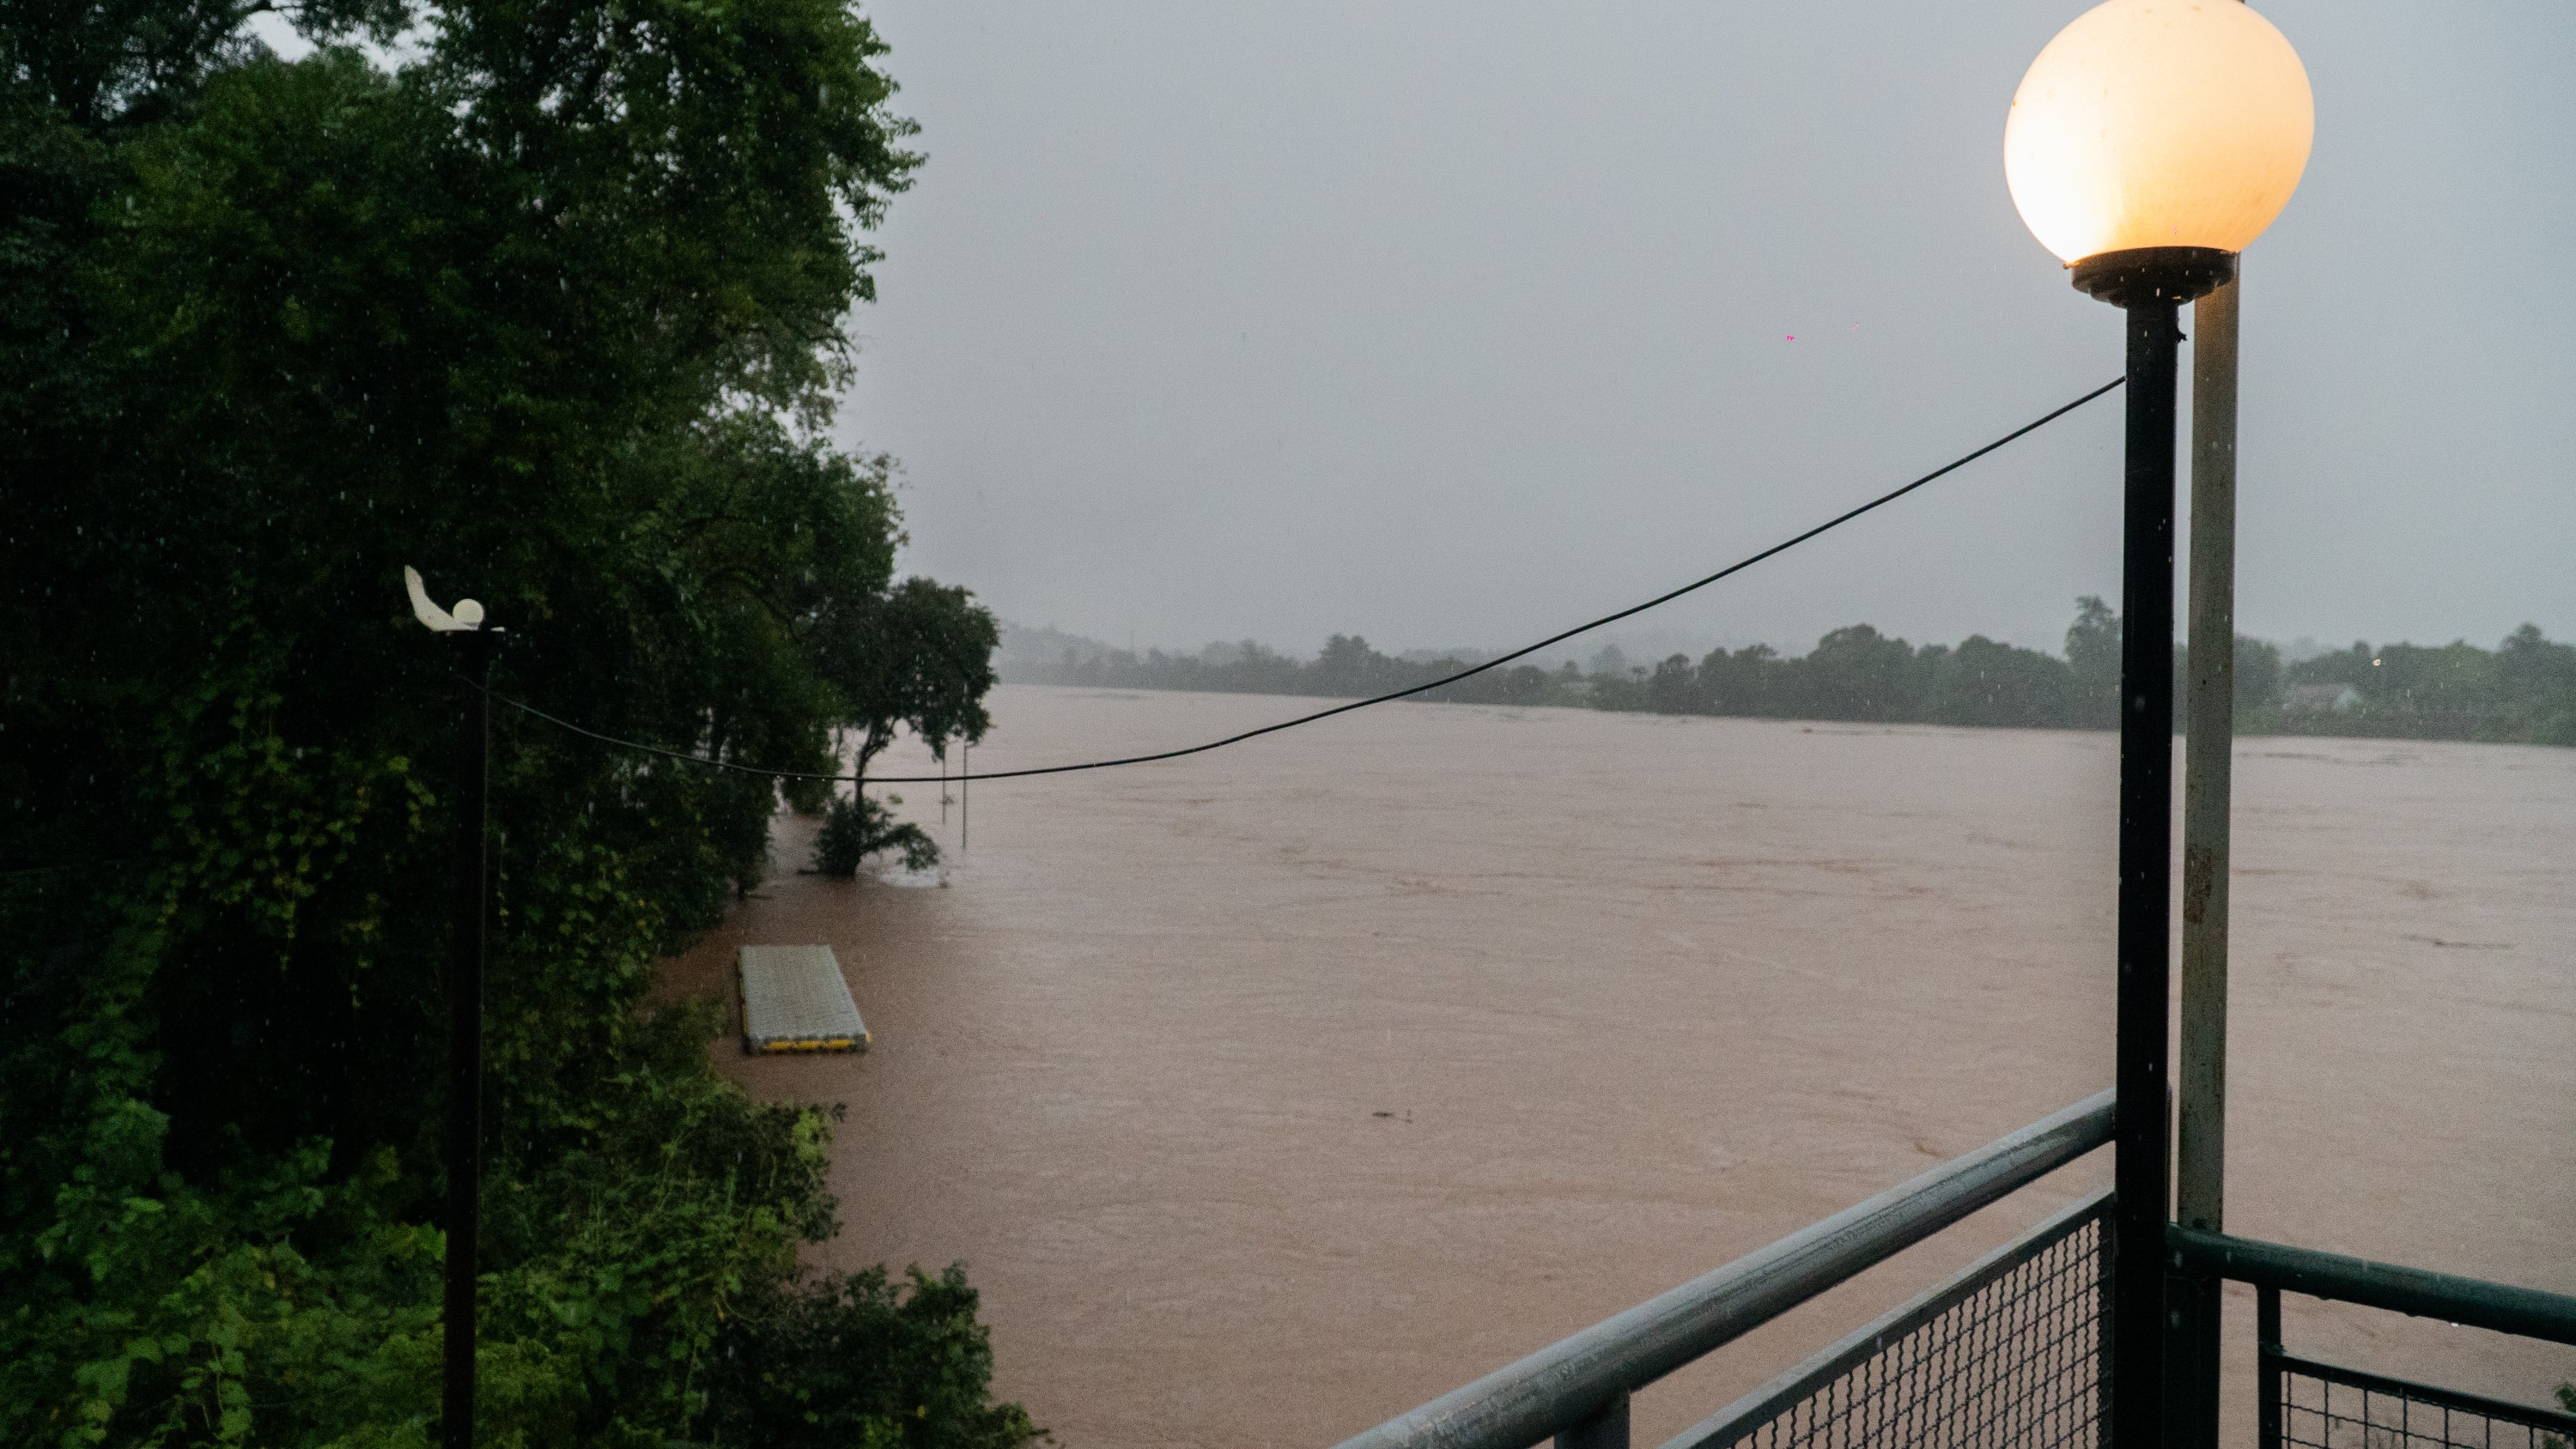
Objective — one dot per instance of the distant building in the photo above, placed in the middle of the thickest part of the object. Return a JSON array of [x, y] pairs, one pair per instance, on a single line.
[[2319, 698]]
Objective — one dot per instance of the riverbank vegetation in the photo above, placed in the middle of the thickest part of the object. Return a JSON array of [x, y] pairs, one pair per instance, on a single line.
[[549, 302], [2523, 691]]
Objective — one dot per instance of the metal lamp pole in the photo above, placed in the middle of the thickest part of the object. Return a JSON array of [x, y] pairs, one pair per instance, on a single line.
[[474, 650], [2148, 145], [2150, 284], [475, 646]]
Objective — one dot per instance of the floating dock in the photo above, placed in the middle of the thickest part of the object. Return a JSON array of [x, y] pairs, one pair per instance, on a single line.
[[794, 1000]]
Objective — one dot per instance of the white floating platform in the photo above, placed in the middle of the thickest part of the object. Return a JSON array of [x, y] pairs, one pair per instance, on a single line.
[[794, 1000]]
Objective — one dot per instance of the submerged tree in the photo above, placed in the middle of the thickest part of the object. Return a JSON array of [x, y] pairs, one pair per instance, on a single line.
[[919, 657]]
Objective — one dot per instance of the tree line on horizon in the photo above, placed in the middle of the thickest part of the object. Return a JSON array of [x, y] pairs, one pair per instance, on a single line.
[[2523, 691]]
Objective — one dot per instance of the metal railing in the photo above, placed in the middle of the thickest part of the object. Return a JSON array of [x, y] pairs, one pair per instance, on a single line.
[[2303, 1402], [2311, 1405], [2525, 1312], [2010, 1350], [1578, 1389]]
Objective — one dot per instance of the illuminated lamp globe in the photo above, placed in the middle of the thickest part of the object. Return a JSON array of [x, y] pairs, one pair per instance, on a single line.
[[2155, 139]]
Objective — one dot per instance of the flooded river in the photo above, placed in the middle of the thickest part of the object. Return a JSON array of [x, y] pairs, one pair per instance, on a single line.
[[1269, 1093]]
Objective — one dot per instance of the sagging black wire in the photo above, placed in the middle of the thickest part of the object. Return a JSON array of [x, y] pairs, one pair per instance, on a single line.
[[1304, 719]]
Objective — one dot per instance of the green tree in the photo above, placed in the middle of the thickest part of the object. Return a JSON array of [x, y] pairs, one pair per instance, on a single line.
[[1349, 666], [2536, 682], [1855, 672], [833, 1366], [2257, 680], [918, 658], [2093, 662], [554, 311], [1674, 687], [1746, 682], [1986, 683]]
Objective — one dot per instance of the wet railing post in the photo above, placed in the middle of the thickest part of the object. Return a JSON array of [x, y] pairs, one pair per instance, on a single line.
[[2267, 1370]]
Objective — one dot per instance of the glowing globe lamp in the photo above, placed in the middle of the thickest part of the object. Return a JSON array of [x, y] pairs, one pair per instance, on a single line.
[[2158, 134], [2148, 145]]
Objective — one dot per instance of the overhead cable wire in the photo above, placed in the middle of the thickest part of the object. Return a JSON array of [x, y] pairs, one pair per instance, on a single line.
[[1837, 521]]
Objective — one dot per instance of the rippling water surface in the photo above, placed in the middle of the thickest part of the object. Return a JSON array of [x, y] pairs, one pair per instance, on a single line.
[[1269, 1093]]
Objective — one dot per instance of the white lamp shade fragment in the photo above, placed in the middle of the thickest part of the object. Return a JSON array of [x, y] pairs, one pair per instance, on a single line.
[[2158, 123]]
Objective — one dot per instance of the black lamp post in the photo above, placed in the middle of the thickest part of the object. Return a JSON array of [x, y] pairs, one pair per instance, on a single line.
[[2148, 144], [2150, 284], [474, 647]]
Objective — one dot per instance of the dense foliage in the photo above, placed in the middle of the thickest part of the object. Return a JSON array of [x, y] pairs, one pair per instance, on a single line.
[[2522, 692], [552, 309], [856, 827], [852, 1362]]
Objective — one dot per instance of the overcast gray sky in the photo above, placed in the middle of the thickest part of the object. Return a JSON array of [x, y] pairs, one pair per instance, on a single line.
[[1452, 323]]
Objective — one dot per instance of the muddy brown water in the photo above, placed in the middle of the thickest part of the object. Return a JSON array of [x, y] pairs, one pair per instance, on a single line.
[[1270, 1093]]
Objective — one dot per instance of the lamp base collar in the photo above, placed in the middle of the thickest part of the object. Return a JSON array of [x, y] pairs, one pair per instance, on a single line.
[[2154, 274]]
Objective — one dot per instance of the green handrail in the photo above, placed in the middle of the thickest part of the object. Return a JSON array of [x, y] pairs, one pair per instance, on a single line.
[[2502, 1307]]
